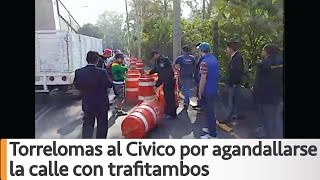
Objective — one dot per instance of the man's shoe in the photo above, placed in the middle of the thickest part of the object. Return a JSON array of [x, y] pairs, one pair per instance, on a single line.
[[205, 130], [121, 113], [196, 106], [207, 136]]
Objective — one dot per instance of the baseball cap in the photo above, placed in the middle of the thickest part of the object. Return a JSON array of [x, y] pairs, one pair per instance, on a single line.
[[107, 52], [204, 47]]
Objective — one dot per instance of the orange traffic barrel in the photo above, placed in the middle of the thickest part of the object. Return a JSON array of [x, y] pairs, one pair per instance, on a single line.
[[176, 76], [141, 120], [133, 70], [176, 93], [131, 86], [155, 77], [139, 66], [146, 88], [133, 63]]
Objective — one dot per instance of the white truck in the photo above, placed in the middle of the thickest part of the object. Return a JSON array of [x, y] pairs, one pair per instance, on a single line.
[[58, 55]]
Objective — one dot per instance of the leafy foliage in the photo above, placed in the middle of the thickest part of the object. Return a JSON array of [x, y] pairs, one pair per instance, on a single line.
[[90, 30], [252, 22], [110, 23]]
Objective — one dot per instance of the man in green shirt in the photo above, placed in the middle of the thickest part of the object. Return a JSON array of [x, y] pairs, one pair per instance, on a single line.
[[118, 71]]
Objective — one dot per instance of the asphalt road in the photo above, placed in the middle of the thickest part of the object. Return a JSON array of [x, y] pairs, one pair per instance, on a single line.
[[60, 116]]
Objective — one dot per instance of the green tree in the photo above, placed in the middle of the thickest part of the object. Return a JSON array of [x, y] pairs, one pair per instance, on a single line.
[[111, 24], [90, 30], [252, 22]]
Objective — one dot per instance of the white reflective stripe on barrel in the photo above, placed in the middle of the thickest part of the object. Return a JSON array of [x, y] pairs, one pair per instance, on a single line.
[[132, 79], [142, 118], [153, 112], [131, 89], [146, 97], [151, 83]]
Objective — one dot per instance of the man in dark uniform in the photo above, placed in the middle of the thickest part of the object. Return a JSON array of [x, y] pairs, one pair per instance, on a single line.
[[165, 72], [93, 82]]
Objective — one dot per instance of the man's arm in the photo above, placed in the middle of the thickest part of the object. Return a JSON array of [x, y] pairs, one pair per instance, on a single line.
[[264, 65], [76, 79], [158, 83], [177, 62], [108, 79], [203, 79], [194, 65], [154, 70]]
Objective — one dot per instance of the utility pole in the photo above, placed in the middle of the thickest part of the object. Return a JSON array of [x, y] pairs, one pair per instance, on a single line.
[[176, 28], [203, 9], [140, 28], [215, 37], [128, 30], [165, 9]]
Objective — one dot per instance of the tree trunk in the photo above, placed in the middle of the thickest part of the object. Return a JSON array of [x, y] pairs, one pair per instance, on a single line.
[[215, 37], [210, 6], [140, 29], [203, 9], [176, 28], [127, 19], [165, 9]]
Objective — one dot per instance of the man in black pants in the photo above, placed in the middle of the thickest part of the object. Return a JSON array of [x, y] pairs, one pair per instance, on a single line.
[[165, 72], [93, 82]]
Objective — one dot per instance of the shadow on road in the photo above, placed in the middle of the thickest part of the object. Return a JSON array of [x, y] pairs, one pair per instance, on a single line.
[[173, 128], [112, 119], [69, 128]]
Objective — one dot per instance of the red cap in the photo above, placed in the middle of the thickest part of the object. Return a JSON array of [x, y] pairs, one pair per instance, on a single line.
[[107, 52]]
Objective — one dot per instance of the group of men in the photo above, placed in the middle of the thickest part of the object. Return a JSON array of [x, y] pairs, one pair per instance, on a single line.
[[107, 71], [94, 82], [267, 86]]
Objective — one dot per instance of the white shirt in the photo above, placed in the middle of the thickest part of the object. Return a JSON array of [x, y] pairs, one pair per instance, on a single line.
[[109, 60], [233, 54]]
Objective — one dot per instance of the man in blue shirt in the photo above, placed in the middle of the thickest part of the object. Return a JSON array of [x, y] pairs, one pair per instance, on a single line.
[[187, 63], [208, 88]]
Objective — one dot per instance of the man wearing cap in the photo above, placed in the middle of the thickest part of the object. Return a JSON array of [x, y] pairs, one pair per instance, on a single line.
[[208, 88], [93, 83], [165, 72], [104, 57], [118, 75]]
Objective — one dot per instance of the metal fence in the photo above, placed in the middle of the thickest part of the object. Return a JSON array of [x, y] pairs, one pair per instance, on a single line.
[[66, 20]]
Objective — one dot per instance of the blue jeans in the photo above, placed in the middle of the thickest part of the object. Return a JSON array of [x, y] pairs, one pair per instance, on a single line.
[[208, 103], [186, 86], [270, 119], [233, 101]]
